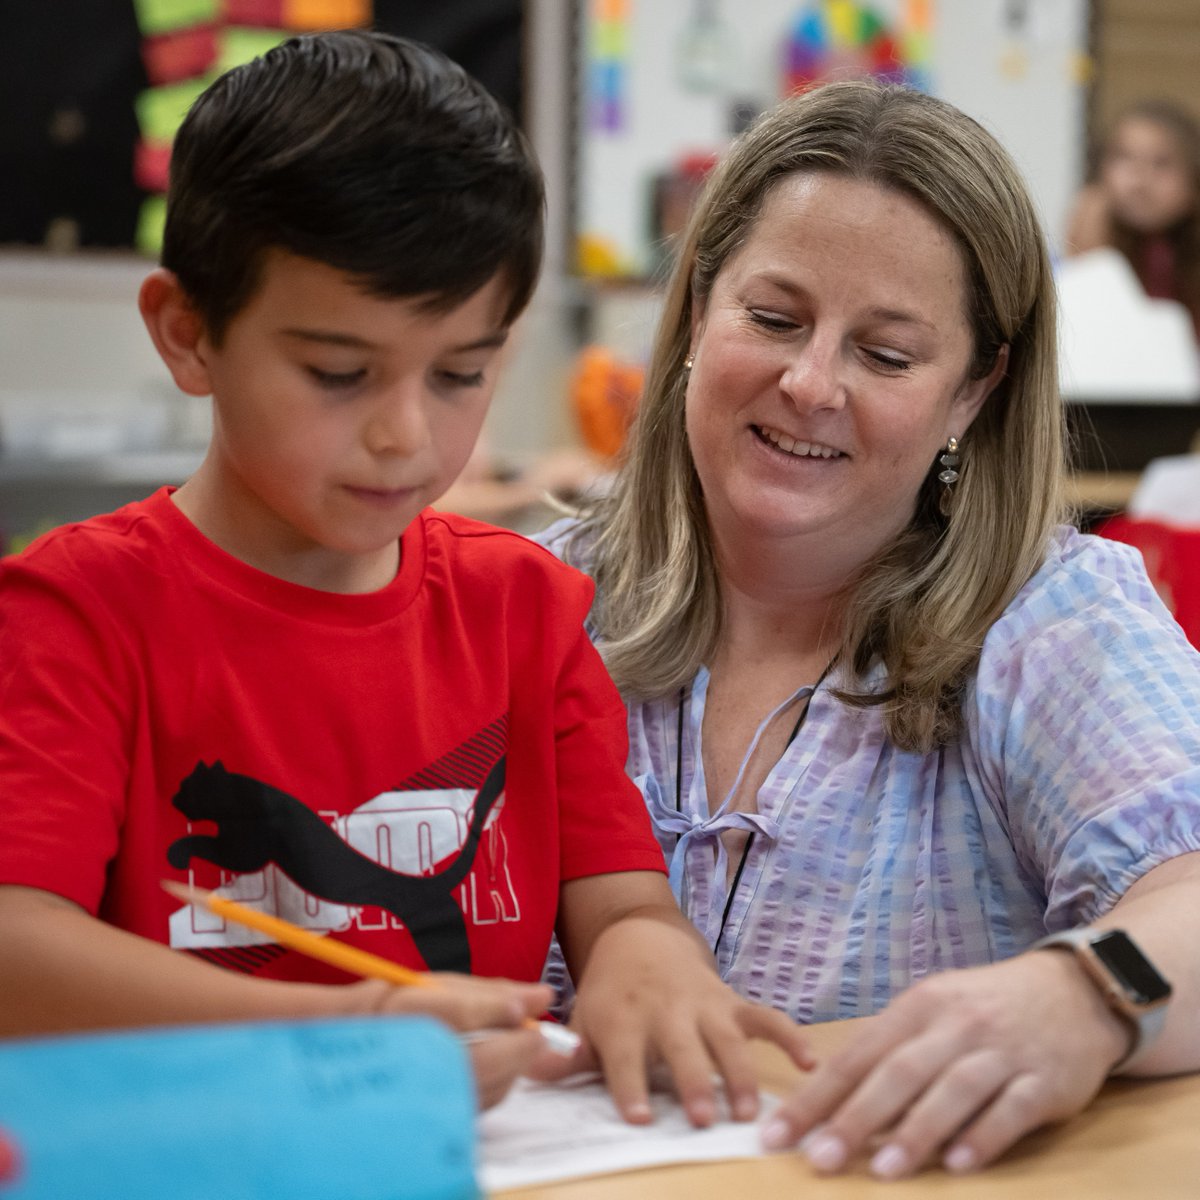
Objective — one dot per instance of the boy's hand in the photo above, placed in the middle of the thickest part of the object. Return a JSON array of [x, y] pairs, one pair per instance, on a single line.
[[499, 1058], [465, 1002], [648, 993], [496, 1009]]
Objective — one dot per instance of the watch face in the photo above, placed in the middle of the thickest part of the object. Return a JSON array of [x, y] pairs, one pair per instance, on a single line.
[[1130, 967]]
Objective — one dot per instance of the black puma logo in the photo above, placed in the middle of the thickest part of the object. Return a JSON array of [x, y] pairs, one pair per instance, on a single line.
[[258, 824]]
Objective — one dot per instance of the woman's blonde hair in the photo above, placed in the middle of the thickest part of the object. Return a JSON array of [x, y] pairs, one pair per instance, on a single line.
[[924, 605]]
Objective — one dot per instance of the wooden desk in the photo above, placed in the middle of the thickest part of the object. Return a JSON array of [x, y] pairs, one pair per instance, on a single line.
[[1101, 491], [1140, 1140]]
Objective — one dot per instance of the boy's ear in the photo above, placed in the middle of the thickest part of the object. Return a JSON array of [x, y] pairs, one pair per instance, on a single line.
[[176, 329]]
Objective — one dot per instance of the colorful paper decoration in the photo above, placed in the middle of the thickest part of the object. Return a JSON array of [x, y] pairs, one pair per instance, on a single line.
[[325, 14], [179, 54], [840, 39], [261, 13], [608, 66], [187, 43], [238, 46], [165, 16]]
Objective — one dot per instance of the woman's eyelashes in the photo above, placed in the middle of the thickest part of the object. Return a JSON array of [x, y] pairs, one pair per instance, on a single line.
[[776, 323], [889, 362], [771, 321]]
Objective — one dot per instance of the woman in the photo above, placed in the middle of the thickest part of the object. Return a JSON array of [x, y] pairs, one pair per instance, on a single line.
[[1145, 201], [890, 719]]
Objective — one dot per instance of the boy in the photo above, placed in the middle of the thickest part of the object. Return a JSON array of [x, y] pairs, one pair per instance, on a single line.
[[289, 679]]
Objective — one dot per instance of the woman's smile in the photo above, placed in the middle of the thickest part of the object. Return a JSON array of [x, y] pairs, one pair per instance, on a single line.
[[794, 447]]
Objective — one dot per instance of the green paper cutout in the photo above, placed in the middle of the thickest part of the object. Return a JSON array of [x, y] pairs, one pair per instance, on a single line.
[[164, 16], [237, 45], [161, 110], [152, 219]]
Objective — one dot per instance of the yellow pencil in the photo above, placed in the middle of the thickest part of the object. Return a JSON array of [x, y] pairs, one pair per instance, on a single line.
[[349, 958], [338, 954]]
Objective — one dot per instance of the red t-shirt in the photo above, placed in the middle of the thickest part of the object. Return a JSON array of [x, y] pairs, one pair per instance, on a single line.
[[416, 769]]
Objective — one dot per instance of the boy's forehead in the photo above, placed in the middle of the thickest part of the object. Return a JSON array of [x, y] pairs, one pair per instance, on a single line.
[[317, 298]]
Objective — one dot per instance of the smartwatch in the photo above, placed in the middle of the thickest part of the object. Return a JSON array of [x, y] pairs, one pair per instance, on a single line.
[[1125, 977]]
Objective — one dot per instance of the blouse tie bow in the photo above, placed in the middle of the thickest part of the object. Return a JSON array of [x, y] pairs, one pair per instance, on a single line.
[[692, 829]]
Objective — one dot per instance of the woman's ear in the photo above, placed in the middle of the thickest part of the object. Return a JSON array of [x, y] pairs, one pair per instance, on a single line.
[[698, 305], [176, 329], [970, 400]]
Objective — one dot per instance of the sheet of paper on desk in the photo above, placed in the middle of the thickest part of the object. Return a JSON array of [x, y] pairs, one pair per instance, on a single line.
[[543, 1133]]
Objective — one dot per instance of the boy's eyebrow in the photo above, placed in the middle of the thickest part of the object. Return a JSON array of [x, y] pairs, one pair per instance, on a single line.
[[330, 338]]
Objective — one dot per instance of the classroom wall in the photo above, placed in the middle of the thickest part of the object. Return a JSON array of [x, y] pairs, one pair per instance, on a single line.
[[1016, 68], [1028, 89], [77, 368]]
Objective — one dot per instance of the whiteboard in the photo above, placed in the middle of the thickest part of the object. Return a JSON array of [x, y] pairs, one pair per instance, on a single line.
[[1017, 66]]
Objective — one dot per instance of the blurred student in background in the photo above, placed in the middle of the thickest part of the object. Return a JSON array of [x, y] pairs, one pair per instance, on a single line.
[[1144, 201]]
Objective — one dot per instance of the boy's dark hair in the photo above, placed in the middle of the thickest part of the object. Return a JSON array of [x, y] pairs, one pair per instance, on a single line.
[[373, 154]]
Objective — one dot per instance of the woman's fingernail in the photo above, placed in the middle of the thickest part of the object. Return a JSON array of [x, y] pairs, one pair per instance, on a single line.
[[745, 1108], [890, 1162], [702, 1113], [638, 1114], [826, 1151], [960, 1158], [776, 1134]]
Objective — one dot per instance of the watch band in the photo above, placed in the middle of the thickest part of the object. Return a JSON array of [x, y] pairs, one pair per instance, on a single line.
[[1135, 990], [1145, 1011]]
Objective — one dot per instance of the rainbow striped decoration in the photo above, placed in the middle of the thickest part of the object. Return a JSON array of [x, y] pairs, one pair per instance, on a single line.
[[839, 39], [608, 64]]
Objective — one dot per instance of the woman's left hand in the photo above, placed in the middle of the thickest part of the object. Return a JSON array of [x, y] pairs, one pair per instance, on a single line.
[[959, 1066]]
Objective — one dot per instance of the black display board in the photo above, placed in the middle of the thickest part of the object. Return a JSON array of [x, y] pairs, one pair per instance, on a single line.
[[70, 71]]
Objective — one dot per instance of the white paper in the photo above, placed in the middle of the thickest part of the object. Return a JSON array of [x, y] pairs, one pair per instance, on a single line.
[[542, 1133]]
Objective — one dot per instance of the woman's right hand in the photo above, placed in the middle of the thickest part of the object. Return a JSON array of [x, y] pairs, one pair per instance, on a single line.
[[960, 1066]]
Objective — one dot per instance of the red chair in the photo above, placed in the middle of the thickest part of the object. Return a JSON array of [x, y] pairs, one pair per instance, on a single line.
[[1172, 557]]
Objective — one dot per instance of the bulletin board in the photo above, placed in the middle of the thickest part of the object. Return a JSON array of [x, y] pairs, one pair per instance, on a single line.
[[663, 85], [91, 90]]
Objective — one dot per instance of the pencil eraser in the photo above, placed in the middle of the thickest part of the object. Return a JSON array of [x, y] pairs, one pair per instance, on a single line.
[[559, 1038]]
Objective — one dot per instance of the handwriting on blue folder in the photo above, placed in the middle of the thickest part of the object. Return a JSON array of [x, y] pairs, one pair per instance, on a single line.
[[346, 1109]]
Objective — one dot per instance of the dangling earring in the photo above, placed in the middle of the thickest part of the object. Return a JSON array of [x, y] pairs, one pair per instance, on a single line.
[[949, 460]]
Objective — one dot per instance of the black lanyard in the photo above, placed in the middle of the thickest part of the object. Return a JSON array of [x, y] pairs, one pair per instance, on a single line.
[[737, 875]]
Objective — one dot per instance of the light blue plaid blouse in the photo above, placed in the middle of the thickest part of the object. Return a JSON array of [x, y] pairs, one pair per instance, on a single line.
[[870, 867]]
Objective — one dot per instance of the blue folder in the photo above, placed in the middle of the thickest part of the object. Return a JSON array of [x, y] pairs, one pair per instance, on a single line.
[[345, 1109]]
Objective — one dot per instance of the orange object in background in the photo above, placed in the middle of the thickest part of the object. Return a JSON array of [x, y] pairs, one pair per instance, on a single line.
[[605, 393], [326, 14], [1172, 555]]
